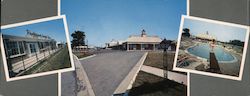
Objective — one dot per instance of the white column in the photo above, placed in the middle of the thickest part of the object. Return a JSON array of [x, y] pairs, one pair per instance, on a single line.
[[127, 46], [141, 46]]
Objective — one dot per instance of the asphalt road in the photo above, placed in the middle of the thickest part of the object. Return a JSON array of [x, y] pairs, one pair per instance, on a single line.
[[107, 70]]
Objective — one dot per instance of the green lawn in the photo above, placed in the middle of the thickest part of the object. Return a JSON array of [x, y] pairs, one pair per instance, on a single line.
[[150, 85], [82, 54], [58, 60], [155, 59]]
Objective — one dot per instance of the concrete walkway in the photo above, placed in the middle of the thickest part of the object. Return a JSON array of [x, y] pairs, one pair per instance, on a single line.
[[128, 81], [107, 70], [153, 70], [177, 77]]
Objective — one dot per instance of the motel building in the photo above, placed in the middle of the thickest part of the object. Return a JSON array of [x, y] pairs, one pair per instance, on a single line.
[[24, 52], [139, 42], [205, 37]]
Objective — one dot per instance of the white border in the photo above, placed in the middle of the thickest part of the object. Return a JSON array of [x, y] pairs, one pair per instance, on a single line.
[[63, 17], [208, 73], [188, 73], [188, 7], [58, 7], [59, 89], [188, 84]]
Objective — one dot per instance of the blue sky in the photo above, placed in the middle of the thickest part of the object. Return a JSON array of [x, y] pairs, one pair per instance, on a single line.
[[53, 28], [104, 20], [221, 32]]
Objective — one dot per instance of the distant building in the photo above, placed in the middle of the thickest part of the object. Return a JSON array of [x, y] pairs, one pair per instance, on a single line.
[[19, 50], [82, 48], [115, 44], [60, 44], [205, 36]]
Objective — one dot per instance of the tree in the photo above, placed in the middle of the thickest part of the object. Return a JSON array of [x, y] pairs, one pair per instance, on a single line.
[[236, 42], [78, 38], [164, 44], [186, 32]]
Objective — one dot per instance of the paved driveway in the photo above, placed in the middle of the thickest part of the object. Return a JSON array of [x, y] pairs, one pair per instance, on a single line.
[[107, 70]]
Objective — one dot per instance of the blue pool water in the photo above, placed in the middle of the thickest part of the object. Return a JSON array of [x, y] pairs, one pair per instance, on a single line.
[[202, 50]]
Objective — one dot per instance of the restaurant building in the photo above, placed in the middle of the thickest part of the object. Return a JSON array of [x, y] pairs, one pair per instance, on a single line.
[[136, 42], [142, 42]]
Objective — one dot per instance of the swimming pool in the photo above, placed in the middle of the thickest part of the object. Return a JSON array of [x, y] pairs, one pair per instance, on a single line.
[[202, 50]]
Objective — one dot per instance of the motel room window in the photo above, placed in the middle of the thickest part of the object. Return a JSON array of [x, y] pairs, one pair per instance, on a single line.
[[143, 45], [132, 46], [32, 48], [15, 48], [146, 46], [21, 47], [41, 45], [12, 48], [157, 46], [46, 44]]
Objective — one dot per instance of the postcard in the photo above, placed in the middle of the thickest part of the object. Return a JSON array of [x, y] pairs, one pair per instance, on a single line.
[[36, 48], [212, 48]]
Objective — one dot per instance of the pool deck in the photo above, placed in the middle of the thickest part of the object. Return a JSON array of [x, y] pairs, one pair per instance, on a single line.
[[232, 68]]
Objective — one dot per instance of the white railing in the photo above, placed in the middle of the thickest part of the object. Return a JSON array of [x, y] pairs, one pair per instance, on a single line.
[[28, 62]]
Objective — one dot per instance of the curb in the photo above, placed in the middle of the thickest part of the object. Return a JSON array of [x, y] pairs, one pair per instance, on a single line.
[[127, 82], [87, 57], [83, 79]]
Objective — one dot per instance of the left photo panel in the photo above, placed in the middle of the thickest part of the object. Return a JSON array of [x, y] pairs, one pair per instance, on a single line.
[[36, 48]]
